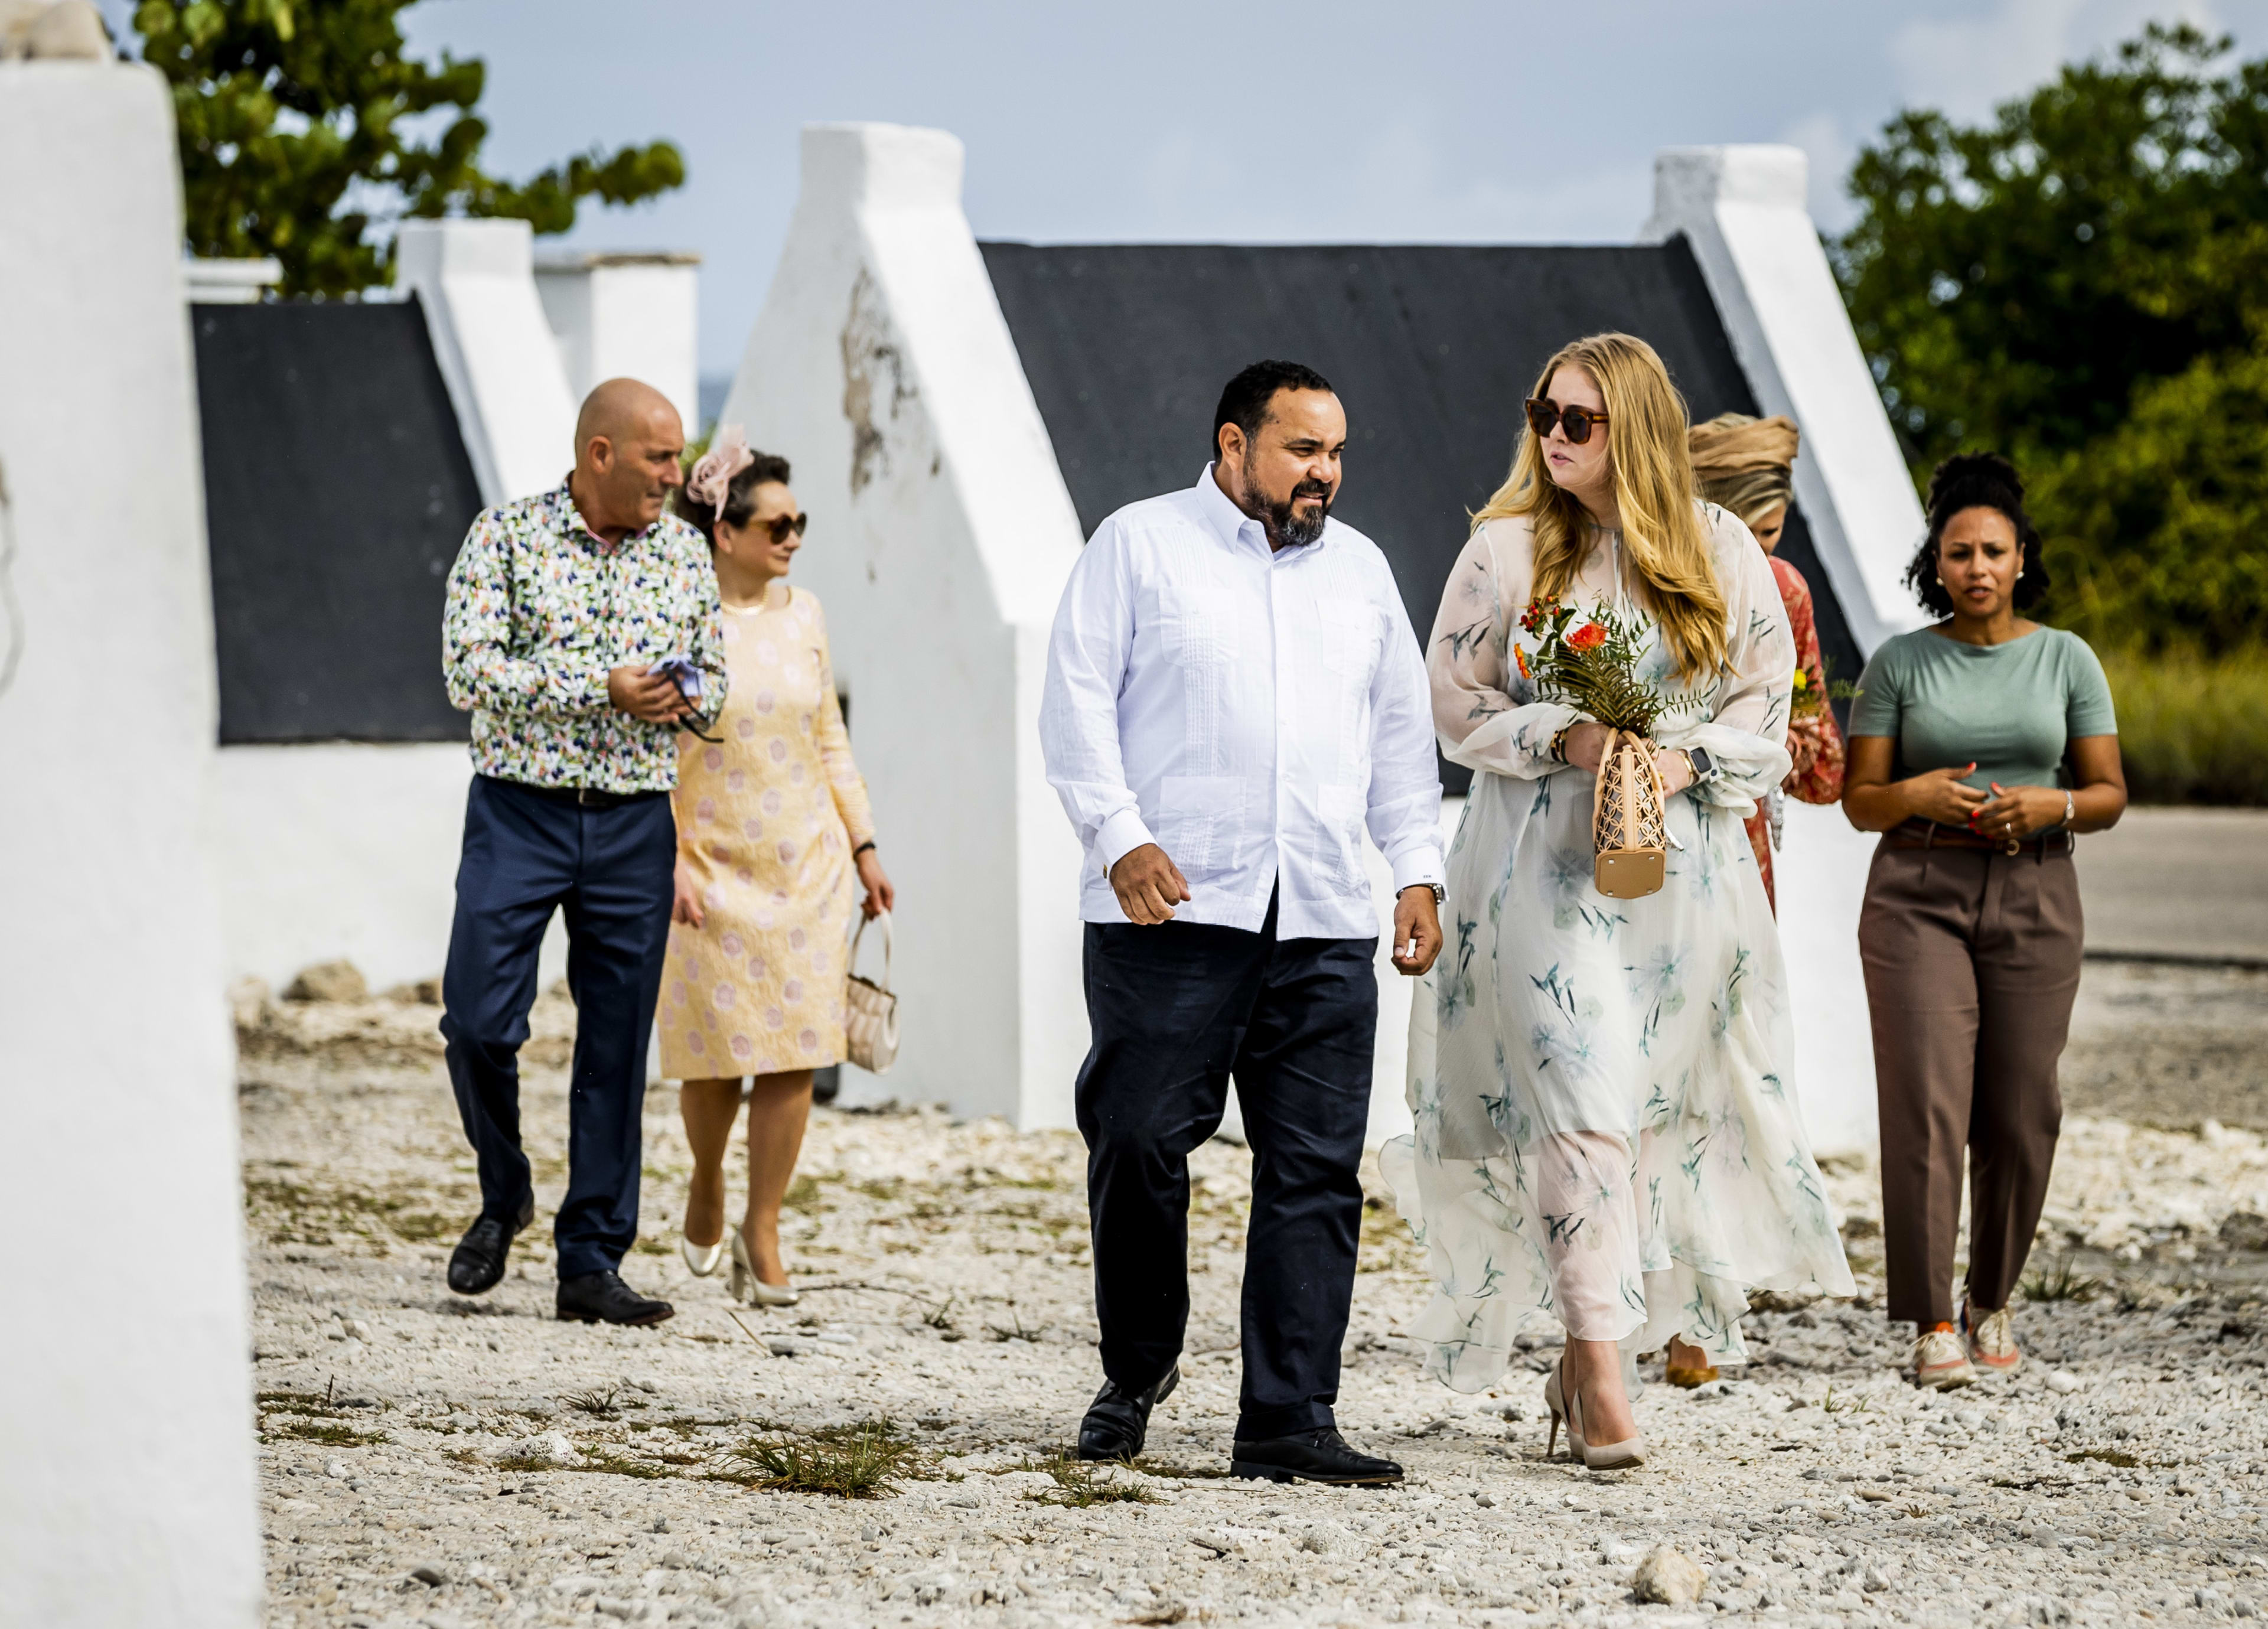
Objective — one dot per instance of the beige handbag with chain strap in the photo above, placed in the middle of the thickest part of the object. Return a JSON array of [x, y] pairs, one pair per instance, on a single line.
[[1630, 827], [870, 1011]]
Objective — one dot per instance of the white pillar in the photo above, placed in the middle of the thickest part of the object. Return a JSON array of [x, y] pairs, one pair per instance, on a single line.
[[477, 282], [941, 536], [1743, 209], [128, 1488], [627, 316]]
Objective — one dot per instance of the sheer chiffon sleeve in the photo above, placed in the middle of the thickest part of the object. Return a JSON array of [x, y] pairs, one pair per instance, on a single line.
[[1742, 719], [1484, 708]]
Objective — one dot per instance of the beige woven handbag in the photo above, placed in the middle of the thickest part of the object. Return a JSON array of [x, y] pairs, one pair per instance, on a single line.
[[1629, 827], [870, 1011]]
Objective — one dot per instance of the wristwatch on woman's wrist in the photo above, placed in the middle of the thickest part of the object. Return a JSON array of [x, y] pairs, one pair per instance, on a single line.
[[2070, 809], [1559, 743], [1698, 760]]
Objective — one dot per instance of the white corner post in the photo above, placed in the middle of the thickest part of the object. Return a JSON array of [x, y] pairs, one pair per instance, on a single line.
[[475, 280], [1743, 209], [128, 1479], [941, 535], [627, 316]]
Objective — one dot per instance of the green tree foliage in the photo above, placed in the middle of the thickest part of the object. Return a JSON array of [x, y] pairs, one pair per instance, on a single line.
[[303, 129], [2083, 283]]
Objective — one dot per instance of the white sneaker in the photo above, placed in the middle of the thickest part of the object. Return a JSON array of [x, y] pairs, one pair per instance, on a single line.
[[1940, 1362], [1992, 1342]]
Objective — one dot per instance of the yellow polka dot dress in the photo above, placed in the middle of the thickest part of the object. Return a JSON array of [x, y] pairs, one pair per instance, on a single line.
[[767, 819]]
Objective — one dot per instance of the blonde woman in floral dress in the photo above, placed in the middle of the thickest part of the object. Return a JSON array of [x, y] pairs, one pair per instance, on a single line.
[[773, 825], [1607, 1129]]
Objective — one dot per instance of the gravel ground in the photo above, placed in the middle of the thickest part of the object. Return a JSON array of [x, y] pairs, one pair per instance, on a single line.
[[427, 1460]]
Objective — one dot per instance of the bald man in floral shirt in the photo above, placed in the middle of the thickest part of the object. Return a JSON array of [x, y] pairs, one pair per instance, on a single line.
[[560, 608]]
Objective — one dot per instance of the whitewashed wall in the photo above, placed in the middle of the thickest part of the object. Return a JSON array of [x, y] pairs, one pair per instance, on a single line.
[[626, 316], [941, 535], [1742, 209], [331, 849], [475, 280], [127, 1486]]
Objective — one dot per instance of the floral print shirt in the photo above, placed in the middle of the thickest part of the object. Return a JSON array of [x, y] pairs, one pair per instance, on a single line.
[[541, 608]]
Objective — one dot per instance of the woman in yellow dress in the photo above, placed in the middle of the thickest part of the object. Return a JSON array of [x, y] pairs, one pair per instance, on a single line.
[[772, 823]]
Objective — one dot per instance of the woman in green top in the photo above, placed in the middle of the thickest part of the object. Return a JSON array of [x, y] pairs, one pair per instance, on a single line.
[[1979, 746]]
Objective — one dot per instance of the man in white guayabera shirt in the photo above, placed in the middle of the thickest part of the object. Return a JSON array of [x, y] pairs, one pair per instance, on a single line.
[[1234, 693]]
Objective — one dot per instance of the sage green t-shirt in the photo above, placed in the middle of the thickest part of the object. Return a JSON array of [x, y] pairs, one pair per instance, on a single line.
[[2013, 708]]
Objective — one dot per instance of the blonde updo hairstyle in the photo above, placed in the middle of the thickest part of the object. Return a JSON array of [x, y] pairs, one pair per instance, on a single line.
[[1745, 464], [1669, 552]]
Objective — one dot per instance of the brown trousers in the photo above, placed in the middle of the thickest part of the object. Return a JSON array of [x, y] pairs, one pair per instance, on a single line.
[[1972, 961]]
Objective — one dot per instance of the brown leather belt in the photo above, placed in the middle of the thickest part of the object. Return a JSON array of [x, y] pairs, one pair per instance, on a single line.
[[1928, 834]]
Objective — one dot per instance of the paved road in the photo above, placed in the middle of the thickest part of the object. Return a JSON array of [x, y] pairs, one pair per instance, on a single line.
[[2178, 881]]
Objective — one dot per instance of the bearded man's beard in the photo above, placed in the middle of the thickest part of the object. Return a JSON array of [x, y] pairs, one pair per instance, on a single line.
[[1285, 527]]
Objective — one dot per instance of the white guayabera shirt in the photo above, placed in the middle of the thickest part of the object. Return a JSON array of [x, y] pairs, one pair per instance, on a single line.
[[1248, 712]]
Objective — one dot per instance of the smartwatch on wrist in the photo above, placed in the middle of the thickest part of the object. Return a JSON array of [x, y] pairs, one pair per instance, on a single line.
[[1698, 760]]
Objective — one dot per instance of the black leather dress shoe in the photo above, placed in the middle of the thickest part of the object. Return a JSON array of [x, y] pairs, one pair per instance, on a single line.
[[477, 1261], [1320, 1455], [602, 1297], [1117, 1422]]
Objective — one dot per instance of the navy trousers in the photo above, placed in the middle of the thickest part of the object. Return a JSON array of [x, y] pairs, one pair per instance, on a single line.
[[524, 855], [1177, 1010]]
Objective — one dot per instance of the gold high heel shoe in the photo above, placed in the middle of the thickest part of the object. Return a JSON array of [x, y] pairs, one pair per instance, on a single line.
[[748, 1287], [1567, 1409]]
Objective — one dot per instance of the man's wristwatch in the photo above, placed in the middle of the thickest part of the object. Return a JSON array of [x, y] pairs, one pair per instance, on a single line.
[[1440, 894]]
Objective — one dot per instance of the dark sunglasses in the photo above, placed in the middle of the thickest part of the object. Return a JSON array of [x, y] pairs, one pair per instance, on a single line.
[[786, 525], [1542, 413]]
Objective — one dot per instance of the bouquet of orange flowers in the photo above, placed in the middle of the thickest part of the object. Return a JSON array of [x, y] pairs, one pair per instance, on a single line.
[[1592, 667]]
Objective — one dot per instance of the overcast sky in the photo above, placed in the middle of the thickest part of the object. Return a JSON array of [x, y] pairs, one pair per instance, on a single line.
[[1176, 121]]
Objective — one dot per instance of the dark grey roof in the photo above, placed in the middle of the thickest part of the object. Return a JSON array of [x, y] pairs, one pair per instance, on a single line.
[[337, 490], [1432, 350]]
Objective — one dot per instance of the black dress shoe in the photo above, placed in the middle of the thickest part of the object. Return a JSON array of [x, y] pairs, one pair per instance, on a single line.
[[478, 1261], [602, 1297], [1117, 1422], [1320, 1455]]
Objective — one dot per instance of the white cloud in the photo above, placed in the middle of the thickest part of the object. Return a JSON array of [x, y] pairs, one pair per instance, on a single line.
[[1399, 180], [1830, 149], [1965, 66]]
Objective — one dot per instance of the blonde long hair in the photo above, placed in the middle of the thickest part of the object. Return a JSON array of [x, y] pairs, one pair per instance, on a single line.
[[1653, 488]]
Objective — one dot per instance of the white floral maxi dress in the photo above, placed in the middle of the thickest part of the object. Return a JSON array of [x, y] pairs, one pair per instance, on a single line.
[[1607, 1128]]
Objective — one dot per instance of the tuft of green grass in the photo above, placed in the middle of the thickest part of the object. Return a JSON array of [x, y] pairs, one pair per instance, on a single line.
[[611, 1462], [2061, 1282], [323, 1430], [1081, 1483], [2192, 728], [301, 1402], [603, 1404], [802, 1194], [864, 1461]]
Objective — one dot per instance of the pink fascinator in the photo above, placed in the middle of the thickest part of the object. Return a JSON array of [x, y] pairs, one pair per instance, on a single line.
[[712, 479]]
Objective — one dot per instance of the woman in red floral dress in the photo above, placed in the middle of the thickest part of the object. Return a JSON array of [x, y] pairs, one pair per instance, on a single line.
[[1746, 465]]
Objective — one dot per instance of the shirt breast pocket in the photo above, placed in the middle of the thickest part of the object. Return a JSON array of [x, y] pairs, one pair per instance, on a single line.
[[1191, 631], [1351, 642]]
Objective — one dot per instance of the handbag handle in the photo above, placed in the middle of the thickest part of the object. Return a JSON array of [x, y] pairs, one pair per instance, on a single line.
[[889, 948], [1616, 741]]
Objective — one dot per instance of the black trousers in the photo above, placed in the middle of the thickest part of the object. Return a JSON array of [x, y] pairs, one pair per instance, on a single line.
[[1177, 1010], [524, 855]]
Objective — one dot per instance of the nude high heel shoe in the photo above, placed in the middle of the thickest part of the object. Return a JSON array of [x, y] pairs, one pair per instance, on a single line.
[[702, 1258], [748, 1287], [1567, 1407]]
